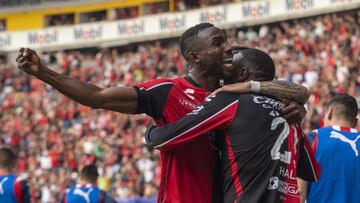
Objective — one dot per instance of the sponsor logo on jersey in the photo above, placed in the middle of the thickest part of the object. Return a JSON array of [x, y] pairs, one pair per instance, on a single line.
[[286, 188]]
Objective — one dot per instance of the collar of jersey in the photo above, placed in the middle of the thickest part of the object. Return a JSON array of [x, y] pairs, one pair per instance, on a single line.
[[345, 129], [191, 81]]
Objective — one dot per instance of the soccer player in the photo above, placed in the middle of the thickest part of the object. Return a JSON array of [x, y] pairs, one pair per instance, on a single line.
[[87, 191], [336, 148], [187, 173], [262, 154], [12, 188]]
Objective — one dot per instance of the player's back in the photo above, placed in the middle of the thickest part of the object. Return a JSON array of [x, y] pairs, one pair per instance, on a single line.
[[83, 194], [7, 190], [261, 153], [337, 150]]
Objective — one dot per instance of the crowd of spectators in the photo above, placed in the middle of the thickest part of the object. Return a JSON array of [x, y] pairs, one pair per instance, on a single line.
[[54, 136]]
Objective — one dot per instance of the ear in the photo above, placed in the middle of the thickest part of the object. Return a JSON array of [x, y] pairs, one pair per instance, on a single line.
[[243, 75], [194, 58], [355, 123], [329, 114]]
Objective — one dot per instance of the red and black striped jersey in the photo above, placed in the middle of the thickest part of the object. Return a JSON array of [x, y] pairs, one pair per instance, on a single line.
[[187, 172], [262, 155]]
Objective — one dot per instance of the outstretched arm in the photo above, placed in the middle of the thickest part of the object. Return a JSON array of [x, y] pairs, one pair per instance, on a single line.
[[215, 113], [275, 88], [120, 99]]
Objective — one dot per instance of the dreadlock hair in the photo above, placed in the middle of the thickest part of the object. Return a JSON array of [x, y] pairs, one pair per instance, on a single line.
[[189, 35], [344, 107]]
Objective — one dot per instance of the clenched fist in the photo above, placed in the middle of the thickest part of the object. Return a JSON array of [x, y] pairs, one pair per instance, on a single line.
[[28, 61]]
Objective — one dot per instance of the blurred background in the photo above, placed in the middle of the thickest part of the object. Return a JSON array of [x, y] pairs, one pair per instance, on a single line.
[[315, 43]]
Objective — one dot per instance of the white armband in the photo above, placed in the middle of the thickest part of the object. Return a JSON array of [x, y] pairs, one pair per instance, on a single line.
[[254, 86]]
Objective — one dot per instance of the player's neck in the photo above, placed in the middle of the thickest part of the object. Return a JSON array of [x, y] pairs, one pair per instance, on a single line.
[[4, 172], [204, 80], [341, 123], [85, 182]]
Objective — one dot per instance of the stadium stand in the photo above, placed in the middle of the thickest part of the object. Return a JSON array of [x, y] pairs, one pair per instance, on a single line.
[[54, 136]]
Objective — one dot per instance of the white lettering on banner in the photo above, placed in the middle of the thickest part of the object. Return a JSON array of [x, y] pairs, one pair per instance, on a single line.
[[172, 23], [131, 28], [214, 16], [42, 37], [260, 9], [87, 33], [341, 1], [299, 4], [163, 25], [5, 41]]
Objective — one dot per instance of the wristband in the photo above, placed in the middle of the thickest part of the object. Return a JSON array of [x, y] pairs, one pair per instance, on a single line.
[[254, 86]]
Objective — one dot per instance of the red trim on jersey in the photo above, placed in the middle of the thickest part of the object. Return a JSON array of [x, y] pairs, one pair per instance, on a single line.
[[234, 168], [17, 190], [154, 83], [315, 166], [315, 142]]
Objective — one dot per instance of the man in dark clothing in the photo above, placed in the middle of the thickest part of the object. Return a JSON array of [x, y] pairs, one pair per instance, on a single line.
[[262, 155]]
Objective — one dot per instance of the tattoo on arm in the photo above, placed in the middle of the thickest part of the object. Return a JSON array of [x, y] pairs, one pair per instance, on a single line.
[[285, 90]]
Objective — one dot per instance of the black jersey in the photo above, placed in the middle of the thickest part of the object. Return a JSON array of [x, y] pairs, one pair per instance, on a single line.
[[262, 154]]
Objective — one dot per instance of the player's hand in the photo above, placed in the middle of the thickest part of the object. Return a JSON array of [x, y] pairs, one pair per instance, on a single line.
[[28, 61], [243, 87], [293, 112]]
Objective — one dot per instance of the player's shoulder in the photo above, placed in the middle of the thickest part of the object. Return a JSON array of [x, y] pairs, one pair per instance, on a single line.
[[21, 178], [157, 83]]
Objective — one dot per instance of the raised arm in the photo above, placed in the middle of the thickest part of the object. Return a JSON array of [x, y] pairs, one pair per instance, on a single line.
[[120, 99], [275, 88]]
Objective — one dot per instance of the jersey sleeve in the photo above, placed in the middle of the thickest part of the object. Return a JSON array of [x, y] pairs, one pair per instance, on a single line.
[[152, 96], [22, 191], [215, 113], [308, 168], [313, 140]]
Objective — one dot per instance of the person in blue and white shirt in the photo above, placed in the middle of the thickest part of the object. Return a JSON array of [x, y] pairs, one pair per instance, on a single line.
[[86, 191], [12, 188], [336, 148]]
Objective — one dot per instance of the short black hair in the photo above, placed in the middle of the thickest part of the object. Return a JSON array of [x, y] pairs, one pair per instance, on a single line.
[[237, 48], [89, 173], [344, 107], [7, 158], [189, 34], [259, 63]]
